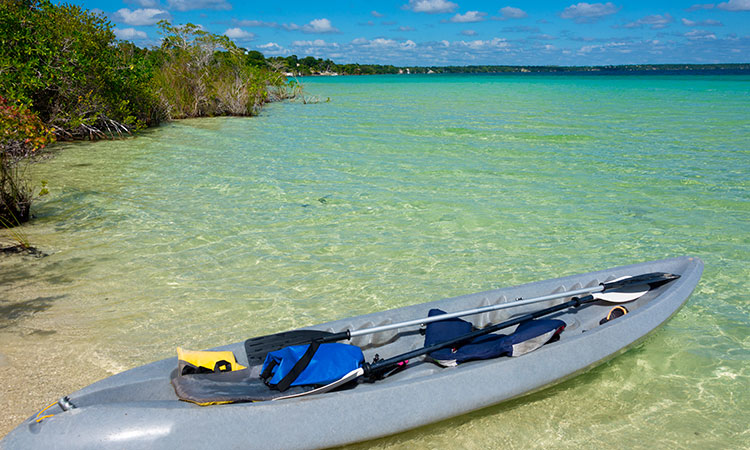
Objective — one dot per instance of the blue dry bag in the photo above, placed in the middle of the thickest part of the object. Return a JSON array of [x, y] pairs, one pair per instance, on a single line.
[[313, 364]]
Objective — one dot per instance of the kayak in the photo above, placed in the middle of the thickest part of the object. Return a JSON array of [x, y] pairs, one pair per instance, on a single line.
[[140, 408]]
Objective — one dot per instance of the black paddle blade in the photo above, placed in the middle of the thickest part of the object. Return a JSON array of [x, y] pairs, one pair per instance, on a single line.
[[257, 347], [653, 279]]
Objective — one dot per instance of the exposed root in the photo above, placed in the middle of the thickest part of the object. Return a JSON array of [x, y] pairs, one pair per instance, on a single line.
[[23, 250], [103, 128]]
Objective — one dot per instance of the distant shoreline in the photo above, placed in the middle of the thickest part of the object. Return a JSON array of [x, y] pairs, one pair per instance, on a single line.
[[492, 69]]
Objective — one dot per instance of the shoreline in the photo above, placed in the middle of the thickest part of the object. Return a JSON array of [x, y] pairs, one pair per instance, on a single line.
[[502, 69]]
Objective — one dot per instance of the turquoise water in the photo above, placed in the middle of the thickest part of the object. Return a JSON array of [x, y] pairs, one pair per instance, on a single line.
[[398, 191]]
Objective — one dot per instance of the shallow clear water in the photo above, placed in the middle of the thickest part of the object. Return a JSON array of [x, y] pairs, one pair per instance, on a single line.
[[398, 191]]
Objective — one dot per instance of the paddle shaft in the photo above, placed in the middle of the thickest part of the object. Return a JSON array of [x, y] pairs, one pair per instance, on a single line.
[[386, 364], [602, 287], [469, 312]]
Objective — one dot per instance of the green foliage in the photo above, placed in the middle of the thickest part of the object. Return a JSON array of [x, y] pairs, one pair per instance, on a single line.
[[310, 65], [255, 59], [64, 62], [21, 135], [10, 224], [204, 74], [18, 123]]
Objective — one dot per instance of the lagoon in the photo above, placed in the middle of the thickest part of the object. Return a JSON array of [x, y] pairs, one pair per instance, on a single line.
[[404, 189]]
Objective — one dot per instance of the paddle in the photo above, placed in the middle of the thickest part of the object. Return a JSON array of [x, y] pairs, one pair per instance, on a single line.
[[373, 371], [257, 348], [615, 291]]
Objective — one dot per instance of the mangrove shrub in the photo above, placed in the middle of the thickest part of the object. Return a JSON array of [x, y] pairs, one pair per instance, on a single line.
[[65, 64], [21, 135], [204, 74]]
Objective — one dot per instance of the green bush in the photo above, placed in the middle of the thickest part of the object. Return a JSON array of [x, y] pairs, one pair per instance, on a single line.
[[65, 64], [204, 74], [21, 135]]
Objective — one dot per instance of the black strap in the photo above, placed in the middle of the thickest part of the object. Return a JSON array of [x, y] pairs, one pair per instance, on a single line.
[[266, 374], [298, 368], [220, 366], [223, 366]]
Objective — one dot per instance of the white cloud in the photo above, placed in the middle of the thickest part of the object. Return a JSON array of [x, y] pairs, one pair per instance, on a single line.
[[273, 48], [468, 17], [735, 5], [431, 6], [188, 5], [469, 33], [376, 14], [315, 26], [146, 3], [406, 28], [510, 12], [707, 23], [381, 42], [409, 52], [319, 26], [701, 6], [239, 33], [147, 16], [655, 21], [604, 47], [256, 23], [697, 35], [495, 43], [534, 49], [408, 45], [521, 29], [129, 34], [588, 12], [315, 43]]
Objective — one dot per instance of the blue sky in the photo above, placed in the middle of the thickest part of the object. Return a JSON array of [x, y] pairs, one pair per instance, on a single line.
[[458, 32]]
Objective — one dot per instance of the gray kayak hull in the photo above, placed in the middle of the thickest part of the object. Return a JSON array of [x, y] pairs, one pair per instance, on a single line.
[[138, 408]]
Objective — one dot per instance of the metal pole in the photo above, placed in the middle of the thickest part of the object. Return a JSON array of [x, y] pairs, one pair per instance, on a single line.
[[468, 312]]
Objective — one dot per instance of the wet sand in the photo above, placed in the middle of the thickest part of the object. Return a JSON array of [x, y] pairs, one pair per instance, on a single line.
[[41, 358], [29, 383]]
